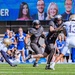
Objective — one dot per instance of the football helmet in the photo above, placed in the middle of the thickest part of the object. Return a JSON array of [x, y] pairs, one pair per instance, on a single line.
[[57, 18], [35, 23], [72, 17], [7, 41]]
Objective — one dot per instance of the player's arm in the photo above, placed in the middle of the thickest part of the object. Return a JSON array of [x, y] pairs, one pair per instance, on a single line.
[[43, 45], [43, 35], [52, 29], [60, 28], [27, 38]]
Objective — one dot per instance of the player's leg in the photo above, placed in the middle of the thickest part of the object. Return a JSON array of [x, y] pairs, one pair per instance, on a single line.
[[34, 56], [38, 55], [64, 51], [50, 51], [36, 48], [4, 54], [23, 55], [1, 58]]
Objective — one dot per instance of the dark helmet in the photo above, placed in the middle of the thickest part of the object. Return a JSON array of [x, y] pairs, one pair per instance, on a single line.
[[58, 18], [35, 23]]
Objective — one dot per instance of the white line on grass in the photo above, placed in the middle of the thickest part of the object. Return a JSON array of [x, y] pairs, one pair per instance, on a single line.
[[38, 72], [32, 67]]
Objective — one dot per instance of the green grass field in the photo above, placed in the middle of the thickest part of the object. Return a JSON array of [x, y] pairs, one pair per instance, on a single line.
[[27, 69]]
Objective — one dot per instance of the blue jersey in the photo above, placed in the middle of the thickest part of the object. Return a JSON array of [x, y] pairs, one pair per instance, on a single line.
[[60, 45], [6, 35], [17, 35], [21, 42]]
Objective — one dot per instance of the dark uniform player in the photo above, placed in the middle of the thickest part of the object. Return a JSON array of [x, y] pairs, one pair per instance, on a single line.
[[34, 34], [56, 27]]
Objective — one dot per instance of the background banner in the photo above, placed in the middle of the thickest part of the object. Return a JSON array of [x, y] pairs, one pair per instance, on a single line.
[[9, 9]]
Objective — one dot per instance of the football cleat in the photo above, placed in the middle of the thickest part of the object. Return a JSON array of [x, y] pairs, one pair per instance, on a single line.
[[28, 57], [35, 64], [52, 67], [13, 65], [1, 59], [47, 67]]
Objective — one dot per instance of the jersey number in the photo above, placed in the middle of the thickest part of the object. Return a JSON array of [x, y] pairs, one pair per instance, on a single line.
[[72, 29]]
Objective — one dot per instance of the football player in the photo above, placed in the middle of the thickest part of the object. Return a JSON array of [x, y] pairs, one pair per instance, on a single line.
[[70, 43], [12, 61]]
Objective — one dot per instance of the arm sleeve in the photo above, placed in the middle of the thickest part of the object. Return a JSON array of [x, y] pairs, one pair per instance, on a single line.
[[35, 32], [32, 31], [51, 23]]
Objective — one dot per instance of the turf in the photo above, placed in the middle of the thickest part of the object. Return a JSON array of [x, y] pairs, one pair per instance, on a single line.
[[27, 69]]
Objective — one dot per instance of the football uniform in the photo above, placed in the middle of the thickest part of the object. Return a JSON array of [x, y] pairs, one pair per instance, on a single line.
[[3, 47], [36, 34], [70, 28], [3, 50]]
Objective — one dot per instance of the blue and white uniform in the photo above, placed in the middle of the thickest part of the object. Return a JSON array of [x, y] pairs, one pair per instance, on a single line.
[[3, 47], [3, 50], [12, 45], [21, 42], [6, 35], [70, 40], [60, 45]]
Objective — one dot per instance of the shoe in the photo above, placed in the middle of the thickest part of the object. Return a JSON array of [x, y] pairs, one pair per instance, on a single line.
[[2, 60], [52, 67], [28, 57], [47, 67], [35, 65], [13, 65]]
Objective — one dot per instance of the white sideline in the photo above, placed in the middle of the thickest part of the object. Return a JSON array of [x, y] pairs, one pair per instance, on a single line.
[[5, 68], [39, 72]]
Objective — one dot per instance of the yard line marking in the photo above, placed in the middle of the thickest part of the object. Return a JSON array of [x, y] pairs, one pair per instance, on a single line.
[[39, 72], [31, 67]]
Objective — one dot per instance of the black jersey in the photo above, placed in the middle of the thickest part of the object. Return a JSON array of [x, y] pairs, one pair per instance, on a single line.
[[52, 36]]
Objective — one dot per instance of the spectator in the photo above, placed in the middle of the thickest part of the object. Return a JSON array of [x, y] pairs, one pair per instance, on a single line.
[[41, 15], [59, 45], [68, 8], [24, 12], [7, 33], [11, 47], [20, 37], [52, 10]]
